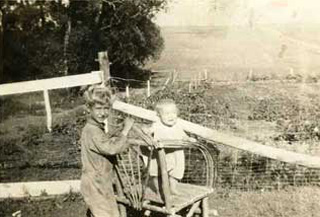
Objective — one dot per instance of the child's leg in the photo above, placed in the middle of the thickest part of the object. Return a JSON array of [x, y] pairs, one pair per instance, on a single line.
[[179, 166], [154, 184], [173, 185]]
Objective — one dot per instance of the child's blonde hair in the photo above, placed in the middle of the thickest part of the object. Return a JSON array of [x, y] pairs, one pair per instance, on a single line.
[[164, 102], [96, 94]]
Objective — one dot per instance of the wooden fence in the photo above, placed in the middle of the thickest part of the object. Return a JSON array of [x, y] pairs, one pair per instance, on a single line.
[[17, 189]]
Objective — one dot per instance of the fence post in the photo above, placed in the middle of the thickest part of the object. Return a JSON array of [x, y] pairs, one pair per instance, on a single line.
[[104, 66], [190, 86], [48, 109], [175, 75], [127, 91], [205, 74], [148, 88], [166, 83], [250, 75], [291, 72], [172, 74], [195, 82]]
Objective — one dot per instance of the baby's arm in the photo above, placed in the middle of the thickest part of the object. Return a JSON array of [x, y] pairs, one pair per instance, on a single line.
[[190, 139]]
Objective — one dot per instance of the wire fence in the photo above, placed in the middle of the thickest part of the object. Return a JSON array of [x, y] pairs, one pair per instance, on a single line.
[[273, 115]]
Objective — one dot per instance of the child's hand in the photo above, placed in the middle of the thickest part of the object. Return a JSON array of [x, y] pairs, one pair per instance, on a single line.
[[128, 123]]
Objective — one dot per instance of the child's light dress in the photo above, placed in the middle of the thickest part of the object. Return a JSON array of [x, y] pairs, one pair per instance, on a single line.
[[175, 158]]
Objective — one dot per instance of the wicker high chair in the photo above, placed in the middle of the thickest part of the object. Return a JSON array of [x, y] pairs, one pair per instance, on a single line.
[[132, 180]]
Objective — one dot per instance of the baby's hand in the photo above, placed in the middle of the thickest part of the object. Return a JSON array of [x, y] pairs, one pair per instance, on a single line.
[[157, 144], [160, 144], [191, 139]]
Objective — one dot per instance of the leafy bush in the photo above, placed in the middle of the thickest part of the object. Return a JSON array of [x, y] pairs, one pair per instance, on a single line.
[[295, 121], [200, 106]]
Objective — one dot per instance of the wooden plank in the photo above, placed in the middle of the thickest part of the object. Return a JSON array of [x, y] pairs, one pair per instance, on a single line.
[[226, 139], [104, 66], [25, 189], [190, 194], [122, 208], [193, 209], [51, 83], [48, 109], [145, 205], [135, 111]]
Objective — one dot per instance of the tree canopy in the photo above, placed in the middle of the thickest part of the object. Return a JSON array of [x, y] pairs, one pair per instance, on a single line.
[[54, 38]]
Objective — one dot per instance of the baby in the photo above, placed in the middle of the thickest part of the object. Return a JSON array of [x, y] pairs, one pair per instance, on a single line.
[[167, 129]]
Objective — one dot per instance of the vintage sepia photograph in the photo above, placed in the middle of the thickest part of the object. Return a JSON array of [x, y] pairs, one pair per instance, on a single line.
[[150, 108]]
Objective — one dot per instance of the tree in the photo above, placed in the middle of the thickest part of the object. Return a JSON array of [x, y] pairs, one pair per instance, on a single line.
[[31, 47], [51, 38], [123, 28]]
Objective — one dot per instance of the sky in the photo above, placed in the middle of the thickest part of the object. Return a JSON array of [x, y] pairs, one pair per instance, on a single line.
[[238, 12]]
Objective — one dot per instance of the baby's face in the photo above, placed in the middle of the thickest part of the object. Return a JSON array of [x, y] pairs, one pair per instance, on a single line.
[[169, 115]]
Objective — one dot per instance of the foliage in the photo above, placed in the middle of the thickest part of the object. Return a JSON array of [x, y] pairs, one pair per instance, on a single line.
[[273, 108], [295, 121], [302, 126], [31, 42], [34, 35], [200, 106]]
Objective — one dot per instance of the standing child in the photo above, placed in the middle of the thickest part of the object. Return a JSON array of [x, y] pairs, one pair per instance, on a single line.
[[98, 151], [168, 128]]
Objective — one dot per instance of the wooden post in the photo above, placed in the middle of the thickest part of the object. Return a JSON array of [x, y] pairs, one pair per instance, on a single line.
[[250, 75], [206, 74], [190, 86], [1, 50], [127, 91], [166, 83], [291, 72], [172, 75], [175, 75], [193, 208], [122, 208], [48, 109], [104, 66], [148, 88], [205, 207]]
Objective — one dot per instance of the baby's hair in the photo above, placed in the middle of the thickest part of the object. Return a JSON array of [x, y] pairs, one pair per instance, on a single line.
[[95, 94], [164, 102]]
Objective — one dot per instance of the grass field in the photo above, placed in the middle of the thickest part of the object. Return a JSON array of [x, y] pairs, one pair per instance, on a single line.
[[292, 202], [230, 53]]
